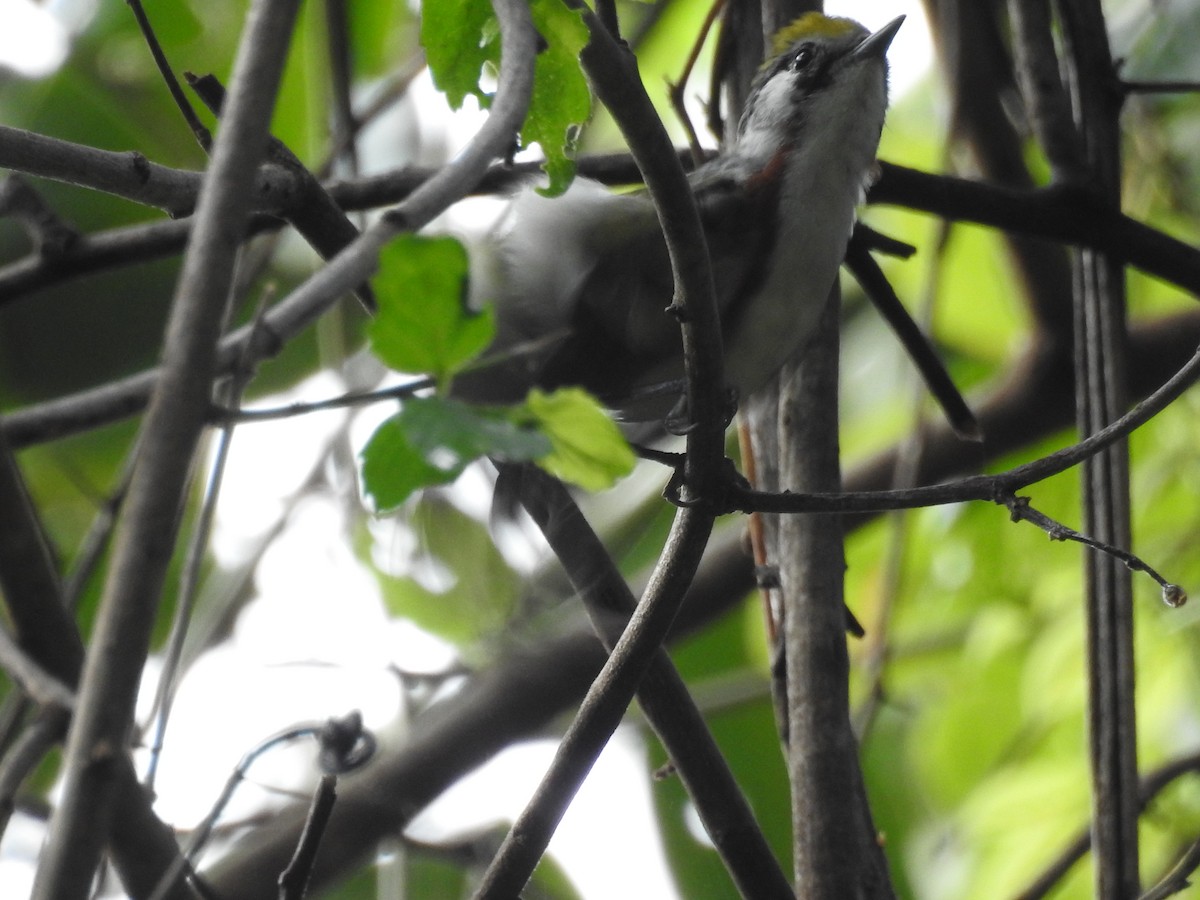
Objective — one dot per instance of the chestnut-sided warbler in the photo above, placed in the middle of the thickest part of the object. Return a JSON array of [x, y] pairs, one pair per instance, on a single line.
[[580, 283]]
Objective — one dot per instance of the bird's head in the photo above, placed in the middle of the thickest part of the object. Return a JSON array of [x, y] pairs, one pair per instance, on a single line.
[[824, 72]]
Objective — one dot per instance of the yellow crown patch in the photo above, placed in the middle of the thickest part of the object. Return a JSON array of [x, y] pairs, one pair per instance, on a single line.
[[810, 25]]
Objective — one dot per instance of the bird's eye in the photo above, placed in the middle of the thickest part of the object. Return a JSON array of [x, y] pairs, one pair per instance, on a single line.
[[803, 57]]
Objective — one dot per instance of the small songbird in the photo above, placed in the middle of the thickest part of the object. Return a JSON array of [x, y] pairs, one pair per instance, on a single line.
[[580, 283]]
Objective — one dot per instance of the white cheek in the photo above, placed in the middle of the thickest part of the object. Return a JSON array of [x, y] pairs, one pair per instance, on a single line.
[[772, 108]]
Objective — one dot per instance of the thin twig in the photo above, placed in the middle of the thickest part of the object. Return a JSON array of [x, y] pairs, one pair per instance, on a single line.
[[1020, 510], [677, 87], [199, 130], [199, 837], [977, 487], [663, 696], [293, 881], [189, 579], [1176, 881], [227, 414], [344, 745]]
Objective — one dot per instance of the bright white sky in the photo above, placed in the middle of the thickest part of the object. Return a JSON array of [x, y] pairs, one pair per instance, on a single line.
[[337, 626]]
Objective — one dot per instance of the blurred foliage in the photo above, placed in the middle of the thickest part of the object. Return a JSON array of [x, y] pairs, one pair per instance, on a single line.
[[975, 758]]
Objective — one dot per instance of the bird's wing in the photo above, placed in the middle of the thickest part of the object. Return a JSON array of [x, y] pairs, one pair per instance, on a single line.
[[628, 290]]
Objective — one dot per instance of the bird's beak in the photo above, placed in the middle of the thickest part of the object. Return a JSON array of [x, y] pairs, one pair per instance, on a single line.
[[875, 46]]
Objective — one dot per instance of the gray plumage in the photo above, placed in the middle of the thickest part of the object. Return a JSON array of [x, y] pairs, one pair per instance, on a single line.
[[580, 283]]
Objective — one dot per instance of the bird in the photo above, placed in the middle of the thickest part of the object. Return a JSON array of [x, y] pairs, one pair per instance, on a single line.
[[580, 284]]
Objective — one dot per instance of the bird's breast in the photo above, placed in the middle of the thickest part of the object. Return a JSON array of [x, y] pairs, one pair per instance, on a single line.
[[814, 218]]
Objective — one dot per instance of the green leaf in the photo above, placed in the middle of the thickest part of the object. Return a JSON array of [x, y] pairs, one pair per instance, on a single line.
[[460, 36], [483, 591], [458, 41], [561, 99], [432, 440], [393, 468], [588, 449], [468, 432], [423, 324]]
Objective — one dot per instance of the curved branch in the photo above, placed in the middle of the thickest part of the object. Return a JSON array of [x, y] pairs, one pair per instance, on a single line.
[[613, 72], [1152, 784]]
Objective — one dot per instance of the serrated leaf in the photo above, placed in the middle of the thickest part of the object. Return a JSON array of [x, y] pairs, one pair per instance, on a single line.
[[588, 449], [561, 99], [457, 43], [432, 440], [460, 36], [423, 324]]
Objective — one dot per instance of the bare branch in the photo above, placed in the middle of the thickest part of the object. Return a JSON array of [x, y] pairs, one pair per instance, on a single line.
[[1149, 787], [51, 236], [198, 129], [293, 881], [1020, 510], [128, 175], [977, 487], [617, 83], [1176, 881], [145, 540], [663, 696]]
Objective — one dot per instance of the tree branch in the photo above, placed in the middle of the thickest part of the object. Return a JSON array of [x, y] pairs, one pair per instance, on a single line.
[[663, 696], [615, 78], [149, 521]]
